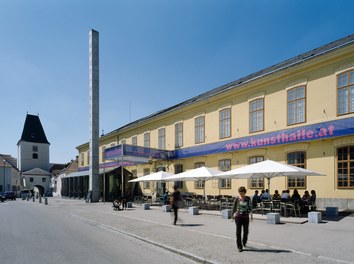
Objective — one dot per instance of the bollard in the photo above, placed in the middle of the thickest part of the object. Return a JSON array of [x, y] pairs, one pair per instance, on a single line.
[[46, 201], [40, 199], [34, 198]]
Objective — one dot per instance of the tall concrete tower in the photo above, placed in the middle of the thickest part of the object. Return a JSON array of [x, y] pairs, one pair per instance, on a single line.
[[94, 115]]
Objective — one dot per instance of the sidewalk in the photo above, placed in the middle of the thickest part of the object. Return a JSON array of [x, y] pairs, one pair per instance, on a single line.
[[207, 238]]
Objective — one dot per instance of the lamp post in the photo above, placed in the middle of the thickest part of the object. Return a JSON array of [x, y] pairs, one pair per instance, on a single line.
[[4, 176]]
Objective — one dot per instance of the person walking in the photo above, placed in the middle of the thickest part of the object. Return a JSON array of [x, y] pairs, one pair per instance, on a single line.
[[175, 201], [241, 210]]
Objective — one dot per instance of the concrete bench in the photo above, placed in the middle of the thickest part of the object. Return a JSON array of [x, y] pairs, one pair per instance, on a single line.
[[145, 206], [314, 217], [273, 218], [193, 210], [331, 211], [226, 214], [166, 208]]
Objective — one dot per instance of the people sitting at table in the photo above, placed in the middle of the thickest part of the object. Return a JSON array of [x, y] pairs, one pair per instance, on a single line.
[[312, 200], [276, 195], [255, 199], [306, 196], [265, 195], [295, 196], [165, 199], [285, 196], [305, 202]]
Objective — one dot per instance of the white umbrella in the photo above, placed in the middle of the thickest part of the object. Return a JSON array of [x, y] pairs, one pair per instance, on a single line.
[[202, 174], [198, 174], [157, 176], [267, 169]]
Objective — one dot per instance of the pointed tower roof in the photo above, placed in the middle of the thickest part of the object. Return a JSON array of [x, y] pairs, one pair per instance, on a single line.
[[33, 130]]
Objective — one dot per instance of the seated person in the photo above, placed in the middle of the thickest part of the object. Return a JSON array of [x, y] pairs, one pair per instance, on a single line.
[[165, 199], [285, 196], [265, 195], [305, 202], [276, 195], [312, 200], [295, 196], [255, 199], [306, 196]]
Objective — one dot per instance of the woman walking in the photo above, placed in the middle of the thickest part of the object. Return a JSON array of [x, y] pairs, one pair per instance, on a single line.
[[242, 208], [175, 202]]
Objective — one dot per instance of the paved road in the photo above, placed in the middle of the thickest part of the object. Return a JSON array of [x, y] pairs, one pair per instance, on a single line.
[[33, 233], [202, 238]]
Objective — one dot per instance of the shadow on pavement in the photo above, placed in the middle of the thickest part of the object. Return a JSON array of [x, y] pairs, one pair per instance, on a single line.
[[339, 217], [191, 224], [267, 250]]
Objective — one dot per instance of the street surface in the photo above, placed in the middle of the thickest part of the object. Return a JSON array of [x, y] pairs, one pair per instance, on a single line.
[[35, 233], [71, 231]]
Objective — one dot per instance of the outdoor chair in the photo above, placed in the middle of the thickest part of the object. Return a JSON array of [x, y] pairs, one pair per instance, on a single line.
[[276, 206], [294, 208], [266, 207], [257, 208]]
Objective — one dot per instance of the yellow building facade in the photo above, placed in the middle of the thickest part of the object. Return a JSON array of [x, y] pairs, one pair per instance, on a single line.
[[300, 112]]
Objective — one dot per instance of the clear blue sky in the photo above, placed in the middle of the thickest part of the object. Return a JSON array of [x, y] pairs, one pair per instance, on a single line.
[[153, 54]]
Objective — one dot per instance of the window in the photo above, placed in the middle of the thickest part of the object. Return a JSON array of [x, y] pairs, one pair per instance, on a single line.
[[88, 157], [256, 108], [297, 159], [178, 169], [345, 94], [199, 184], [296, 105], [44, 179], [31, 179], [257, 183], [161, 138], [35, 156], [179, 135], [82, 159], [35, 148], [225, 123], [225, 165], [345, 167], [146, 184], [147, 140], [199, 129], [134, 141]]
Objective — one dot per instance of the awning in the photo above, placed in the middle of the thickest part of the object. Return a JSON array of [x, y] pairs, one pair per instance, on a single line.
[[86, 172]]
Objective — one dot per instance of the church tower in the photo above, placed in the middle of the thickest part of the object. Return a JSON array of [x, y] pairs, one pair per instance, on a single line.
[[33, 147]]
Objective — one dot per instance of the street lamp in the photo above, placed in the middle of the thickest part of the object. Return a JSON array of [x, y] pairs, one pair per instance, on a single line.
[[4, 175]]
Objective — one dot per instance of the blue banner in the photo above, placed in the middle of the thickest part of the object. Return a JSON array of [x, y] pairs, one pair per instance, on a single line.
[[331, 129], [337, 128]]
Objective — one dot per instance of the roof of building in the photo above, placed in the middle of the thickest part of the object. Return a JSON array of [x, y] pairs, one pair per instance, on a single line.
[[56, 167], [320, 51], [33, 130], [7, 159]]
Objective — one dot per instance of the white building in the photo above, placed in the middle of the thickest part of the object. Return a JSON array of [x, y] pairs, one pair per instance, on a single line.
[[33, 156]]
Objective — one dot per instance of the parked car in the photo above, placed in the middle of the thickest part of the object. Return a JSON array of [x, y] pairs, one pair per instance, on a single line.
[[9, 195], [25, 193]]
